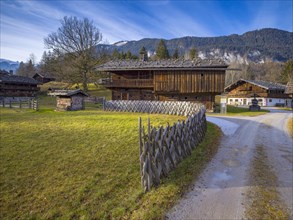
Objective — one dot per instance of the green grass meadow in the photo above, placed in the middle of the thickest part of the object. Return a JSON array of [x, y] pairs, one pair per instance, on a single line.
[[84, 165]]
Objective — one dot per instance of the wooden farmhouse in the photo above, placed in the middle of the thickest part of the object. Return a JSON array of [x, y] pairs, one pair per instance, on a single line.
[[166, 80], [267, 93], [69, 100], [17, 86], [43, 78]]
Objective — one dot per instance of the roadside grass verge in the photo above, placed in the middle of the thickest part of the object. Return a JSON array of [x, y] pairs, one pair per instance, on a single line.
[[263, 198], [240, 111], [85, 165], [290, 126]]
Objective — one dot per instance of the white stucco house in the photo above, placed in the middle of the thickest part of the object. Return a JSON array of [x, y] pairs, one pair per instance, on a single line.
[[267, 93]]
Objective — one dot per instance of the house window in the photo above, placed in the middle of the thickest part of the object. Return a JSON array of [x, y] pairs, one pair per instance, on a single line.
[[250, 88], [231, 100], [270, 100], [236, 100], [260, 100], [185, 98], [201, 74]]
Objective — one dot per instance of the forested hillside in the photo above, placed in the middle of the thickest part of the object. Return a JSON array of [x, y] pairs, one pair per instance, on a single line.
[[257, 46]]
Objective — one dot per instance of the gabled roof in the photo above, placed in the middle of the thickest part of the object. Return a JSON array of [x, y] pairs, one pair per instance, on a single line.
[[68, 93], [260, 83], [289, 88], [44, 75], [17, 79], [120, 65]]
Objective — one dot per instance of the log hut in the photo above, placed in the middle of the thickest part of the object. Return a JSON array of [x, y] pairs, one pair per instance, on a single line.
[[267, 93], [166, 80], [69, 100], [17, 86]]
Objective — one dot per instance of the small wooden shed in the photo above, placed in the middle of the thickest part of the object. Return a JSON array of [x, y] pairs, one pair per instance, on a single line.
[[69, 100]]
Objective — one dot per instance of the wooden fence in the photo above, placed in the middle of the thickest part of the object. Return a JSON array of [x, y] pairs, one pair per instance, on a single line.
[[158, 107], [31, 103], [162, 148]]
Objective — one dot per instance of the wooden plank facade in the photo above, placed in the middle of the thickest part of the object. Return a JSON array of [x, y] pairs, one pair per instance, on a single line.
[[267, 93], [18, 86], [165, 80]]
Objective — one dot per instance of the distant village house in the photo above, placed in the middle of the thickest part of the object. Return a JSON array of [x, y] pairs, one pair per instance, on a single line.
[[267, 93], [43, 78], [12, 86], [166, 80]]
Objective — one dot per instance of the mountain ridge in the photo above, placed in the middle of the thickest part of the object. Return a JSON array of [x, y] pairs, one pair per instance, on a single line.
[[256, 46], [252, 46]]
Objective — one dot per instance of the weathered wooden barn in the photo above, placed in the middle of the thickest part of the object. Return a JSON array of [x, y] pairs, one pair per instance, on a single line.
[[69, 100], [17, 86], [187, 80], [267, 93], [43, 78]]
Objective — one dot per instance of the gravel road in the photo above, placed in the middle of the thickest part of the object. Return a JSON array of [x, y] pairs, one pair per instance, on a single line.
[[220, 191]]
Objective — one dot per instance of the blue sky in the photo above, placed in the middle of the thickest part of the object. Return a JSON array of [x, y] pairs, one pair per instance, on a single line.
[[25, 23]]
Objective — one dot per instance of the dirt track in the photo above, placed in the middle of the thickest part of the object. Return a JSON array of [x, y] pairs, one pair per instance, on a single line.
[[220, 191]]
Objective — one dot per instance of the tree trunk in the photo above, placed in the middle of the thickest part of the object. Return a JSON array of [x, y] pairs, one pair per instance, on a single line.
[[84, 81]]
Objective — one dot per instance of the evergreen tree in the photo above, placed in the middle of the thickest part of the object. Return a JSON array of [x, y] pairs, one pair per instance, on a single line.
[[128, 55], [30, 69], [26, 69], [176, 54], [162, 51], [116, 54], [192, 53], [143, 54], [21, 71]]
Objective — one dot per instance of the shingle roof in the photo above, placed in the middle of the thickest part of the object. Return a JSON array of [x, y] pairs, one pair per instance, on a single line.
[[67, 92], [46, 75], [160, 64], [260, 83], [289, 88], [17, 79]]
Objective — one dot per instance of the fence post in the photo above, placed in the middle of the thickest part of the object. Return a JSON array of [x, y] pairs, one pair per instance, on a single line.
[[3, 103], [10, 104], [140, 143], [19, 103]]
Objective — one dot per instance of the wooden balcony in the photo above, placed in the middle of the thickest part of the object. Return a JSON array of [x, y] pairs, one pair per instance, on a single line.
[[129, 83]]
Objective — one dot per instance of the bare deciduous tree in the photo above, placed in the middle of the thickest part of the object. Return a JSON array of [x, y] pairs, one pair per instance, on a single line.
[[78, 40]]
